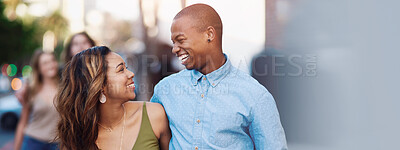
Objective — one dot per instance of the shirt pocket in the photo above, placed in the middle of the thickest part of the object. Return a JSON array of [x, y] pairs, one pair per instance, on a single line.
[[224, 129]]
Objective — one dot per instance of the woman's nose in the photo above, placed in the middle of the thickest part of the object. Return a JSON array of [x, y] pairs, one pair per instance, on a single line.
[[131, 74]]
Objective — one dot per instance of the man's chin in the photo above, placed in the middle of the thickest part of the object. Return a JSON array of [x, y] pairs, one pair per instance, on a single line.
[[189, 67]]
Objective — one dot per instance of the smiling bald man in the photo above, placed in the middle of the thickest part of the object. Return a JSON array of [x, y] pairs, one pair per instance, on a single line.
[[211, 104]]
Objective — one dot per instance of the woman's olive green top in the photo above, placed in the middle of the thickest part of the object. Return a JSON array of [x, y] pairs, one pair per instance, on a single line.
[[146, 139]]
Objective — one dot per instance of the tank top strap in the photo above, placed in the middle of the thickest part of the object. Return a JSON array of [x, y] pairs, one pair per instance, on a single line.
[[145, 118], [146, 138]]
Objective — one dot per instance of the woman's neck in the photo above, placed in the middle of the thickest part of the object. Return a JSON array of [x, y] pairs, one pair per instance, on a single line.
[[111, 113]]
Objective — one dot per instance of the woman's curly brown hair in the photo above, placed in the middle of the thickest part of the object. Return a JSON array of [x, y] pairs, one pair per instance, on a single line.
[[77, 100]]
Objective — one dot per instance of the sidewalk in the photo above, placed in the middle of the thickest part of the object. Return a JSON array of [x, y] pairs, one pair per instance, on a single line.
[[8, 146]]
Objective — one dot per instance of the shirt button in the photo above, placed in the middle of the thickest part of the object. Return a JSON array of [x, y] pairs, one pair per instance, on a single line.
[[196, 148], [202, 95], [198, 121]]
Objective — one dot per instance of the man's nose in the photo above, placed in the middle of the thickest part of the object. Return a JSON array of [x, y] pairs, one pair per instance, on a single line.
[[175, 49]]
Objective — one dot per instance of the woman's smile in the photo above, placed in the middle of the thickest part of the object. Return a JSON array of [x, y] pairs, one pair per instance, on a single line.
[[131, 86]]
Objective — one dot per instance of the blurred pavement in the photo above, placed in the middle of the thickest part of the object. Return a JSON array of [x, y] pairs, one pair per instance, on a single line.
[[6, 139]]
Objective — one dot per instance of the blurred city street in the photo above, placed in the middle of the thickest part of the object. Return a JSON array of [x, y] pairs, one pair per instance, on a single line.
[[6, 139], [6, 136], [331, 66]]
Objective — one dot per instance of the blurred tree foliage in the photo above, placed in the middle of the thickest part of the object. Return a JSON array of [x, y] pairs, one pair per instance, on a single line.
[[20, 37], [59, 25], [16, 39]]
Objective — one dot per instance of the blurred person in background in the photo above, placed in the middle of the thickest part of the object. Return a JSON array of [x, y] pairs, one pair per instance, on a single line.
[[93, 102], [77, 43], [36, 128], [211, 104]]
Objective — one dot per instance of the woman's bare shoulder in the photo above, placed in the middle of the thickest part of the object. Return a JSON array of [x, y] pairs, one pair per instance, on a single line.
[[155, 107], [157, 117]]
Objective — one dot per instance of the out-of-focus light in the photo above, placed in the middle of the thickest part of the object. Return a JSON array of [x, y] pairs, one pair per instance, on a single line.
[[153, 31], [74, 11], [283, 10], [49, 39], [127, 10], [26, 71], [135, 45], [37, 9], [53, 4], [11, 70], [21, 9], [16, 84], [166, 11], [94, 17], [149, 16], [10, 13], [4, 69]]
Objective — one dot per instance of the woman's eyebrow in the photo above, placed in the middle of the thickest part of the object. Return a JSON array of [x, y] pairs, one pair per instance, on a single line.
[[119, 65]]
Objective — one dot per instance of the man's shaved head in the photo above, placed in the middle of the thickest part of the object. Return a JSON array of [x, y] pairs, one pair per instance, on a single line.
[[196, 33], [202, 16]]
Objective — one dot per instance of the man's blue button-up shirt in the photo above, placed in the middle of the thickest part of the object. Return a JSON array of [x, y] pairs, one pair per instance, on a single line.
[[225, 109]]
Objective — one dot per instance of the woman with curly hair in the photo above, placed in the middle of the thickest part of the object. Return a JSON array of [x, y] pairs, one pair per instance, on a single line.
[[95, 111]]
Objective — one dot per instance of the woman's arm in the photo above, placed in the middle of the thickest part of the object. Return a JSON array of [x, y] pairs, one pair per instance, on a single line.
[[165, 135], [160, 124], [19, 135], [22, 93]]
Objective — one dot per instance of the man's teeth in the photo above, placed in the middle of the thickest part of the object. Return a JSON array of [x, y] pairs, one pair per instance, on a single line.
[[131, 85], [183, 57]]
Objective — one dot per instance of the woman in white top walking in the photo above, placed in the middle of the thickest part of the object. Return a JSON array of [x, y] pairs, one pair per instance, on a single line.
[[37, 126]]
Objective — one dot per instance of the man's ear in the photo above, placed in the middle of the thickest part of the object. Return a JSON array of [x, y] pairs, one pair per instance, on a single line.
[[211, 32]]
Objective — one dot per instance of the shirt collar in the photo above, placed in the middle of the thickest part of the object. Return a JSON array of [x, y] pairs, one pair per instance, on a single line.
[[214, 77]]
